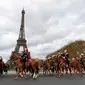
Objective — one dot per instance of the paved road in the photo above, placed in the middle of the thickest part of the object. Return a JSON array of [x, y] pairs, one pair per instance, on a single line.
[[42, 80]]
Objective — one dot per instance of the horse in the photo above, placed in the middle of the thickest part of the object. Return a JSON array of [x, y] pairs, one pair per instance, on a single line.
[[5, 67], [62, 61], [76, 66], [52, 65], [17, 59], [46, 66], [57, 65], [32, 65], [60, 64]]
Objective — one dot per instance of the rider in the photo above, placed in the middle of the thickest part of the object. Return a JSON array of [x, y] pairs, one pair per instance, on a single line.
[[66, 55], [25, 57], [82, 60]]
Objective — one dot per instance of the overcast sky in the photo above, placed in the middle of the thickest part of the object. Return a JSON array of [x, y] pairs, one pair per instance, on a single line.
[[49, 24]]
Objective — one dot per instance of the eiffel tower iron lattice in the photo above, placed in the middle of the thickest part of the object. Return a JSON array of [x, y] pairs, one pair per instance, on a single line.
[[21, 42]]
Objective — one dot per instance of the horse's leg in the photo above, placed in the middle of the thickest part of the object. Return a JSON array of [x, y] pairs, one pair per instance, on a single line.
[[21, 71], [80, 71], [43, 71], [66, 69], [57, 69], [24, 72], [70, 70], [2, 71], [60, 72], [31, 71], [34, 75], [48, 70], [17, 73], [23, 68], [16, 69], [38, 68], [37, 72], [74, 69]]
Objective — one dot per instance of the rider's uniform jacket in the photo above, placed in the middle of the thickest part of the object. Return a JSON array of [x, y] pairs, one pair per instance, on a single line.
[[81, 59], [66, 55], [25, 57]]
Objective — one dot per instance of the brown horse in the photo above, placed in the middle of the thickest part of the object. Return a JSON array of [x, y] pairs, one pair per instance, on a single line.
[[5, 67], [60, 64], [1, 67], [62, 61], [76, 66], [17, 59], [46, 66], [34, 64], [57, 65]]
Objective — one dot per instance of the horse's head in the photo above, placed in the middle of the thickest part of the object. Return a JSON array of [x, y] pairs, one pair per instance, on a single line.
[[14, 56]]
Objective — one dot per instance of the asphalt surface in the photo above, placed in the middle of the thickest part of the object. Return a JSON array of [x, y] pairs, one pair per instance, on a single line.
[[9, 79]]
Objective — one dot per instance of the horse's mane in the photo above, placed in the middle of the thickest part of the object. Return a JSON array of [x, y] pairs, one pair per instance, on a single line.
[[17, 56]]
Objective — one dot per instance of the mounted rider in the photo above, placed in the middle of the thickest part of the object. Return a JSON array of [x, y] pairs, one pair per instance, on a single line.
[[66, 55], [25, 57], [82, 60]]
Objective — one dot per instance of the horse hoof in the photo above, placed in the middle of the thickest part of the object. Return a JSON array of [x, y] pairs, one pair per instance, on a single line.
[[81, 75], [30, 76], [59, 76], [26, 78], [34, 78], [69, 76], [16, 78]]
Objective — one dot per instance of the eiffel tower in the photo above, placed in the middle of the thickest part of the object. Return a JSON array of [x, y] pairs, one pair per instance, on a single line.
[[21, 42]]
